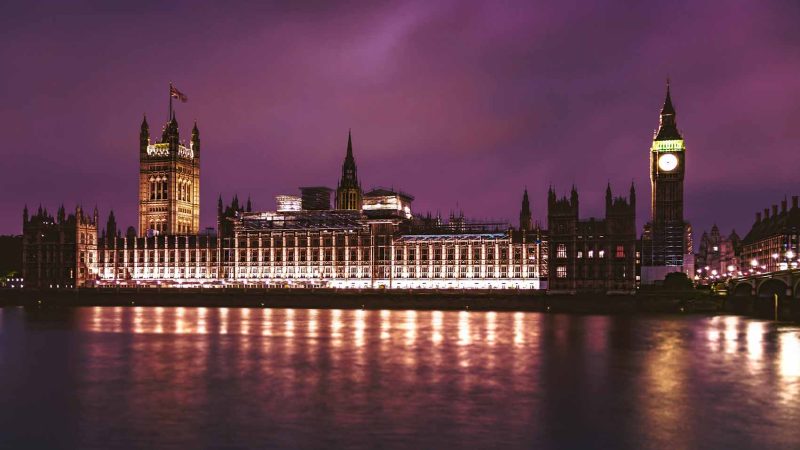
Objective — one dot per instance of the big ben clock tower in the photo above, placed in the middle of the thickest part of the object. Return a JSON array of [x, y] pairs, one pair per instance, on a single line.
[[666, 243]]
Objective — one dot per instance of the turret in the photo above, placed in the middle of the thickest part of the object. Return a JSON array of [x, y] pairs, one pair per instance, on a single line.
[[144, 136], [249, 205], [25, 215], [219, 206], [633, 197], [111, 225], [573, 197], [525, 213], [196, 140], [62, 214], [609, 199], [171, 134]]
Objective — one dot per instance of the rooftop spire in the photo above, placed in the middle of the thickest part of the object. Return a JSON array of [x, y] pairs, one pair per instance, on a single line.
[[668, 108], [667, 128], [349, 144]]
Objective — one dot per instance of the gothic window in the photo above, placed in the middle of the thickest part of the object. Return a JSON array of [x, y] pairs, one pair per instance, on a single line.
[[601, 254], [561, 272], [620, 251], [561, 251]]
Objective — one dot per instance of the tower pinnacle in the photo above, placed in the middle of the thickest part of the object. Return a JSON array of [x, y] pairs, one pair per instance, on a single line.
[[667, 128]]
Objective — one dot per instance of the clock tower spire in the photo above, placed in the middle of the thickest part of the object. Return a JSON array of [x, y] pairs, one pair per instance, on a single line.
[[666, 242]]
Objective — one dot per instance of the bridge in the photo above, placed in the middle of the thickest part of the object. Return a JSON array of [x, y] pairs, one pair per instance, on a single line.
[[772, 294]]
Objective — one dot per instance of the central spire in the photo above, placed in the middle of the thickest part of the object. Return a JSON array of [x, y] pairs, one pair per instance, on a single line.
[[349, 145], [348, 192]]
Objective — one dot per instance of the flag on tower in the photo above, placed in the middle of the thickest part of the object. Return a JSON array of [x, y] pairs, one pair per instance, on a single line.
[[174, 93]]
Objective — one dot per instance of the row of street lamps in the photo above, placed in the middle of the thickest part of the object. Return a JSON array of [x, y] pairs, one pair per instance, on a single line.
[[756, 268]]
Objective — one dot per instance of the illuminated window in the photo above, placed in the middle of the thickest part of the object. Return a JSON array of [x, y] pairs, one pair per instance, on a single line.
[[601, 254], [561, 251], [580, 254], [561, 272], [620, 251], [590, 254]]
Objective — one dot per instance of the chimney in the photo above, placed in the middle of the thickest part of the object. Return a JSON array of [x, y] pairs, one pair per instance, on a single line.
[[766, 213], [758, 217], [774, 210], [783, 206], [794, 202]]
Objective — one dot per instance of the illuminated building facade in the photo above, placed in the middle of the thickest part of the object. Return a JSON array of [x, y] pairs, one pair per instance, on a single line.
[[666, 241], [59, 252], [287, 203], [592, 255], [383, 202], [772, 242], [335, 249], [169, 182], [717, 256]]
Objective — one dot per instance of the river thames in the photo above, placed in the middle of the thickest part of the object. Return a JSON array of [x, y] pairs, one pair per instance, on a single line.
[[112, 377]]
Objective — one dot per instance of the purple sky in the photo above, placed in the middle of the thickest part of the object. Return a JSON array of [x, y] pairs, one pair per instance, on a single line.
[[455, 102]]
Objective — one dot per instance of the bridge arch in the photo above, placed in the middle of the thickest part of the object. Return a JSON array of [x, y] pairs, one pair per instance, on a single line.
[[773, 300], [769, 288], [743, 289]]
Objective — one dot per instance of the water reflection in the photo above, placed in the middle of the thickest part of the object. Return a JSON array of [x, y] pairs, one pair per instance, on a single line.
[[431, 379]]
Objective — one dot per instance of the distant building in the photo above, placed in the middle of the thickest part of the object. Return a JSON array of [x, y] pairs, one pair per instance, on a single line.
[[316, 198], [591, 255], [10, 261], [288, 203], [59, 252], [388, 203], [667, 238], [718, 255], [772, 242]]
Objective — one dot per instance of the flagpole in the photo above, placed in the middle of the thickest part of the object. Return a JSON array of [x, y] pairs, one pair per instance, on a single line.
[[170, 102]]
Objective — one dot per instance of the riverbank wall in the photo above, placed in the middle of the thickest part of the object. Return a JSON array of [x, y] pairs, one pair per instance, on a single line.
[[510, 300]]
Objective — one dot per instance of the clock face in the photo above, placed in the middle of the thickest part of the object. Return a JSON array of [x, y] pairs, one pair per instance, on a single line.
[[667, 162]]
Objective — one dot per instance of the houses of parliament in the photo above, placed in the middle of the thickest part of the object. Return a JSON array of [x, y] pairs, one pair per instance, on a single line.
[[359, 239]]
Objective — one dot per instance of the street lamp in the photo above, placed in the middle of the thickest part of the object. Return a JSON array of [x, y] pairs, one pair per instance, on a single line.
[[753, 263]]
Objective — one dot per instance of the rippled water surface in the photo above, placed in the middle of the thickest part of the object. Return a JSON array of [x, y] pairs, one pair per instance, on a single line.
[[242, 378]]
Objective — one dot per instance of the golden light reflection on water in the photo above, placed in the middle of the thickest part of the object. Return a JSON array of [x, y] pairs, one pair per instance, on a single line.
[[789, 367], [436, 326], [733, 338], [519, 330], [336, 327], [360, 326], [731, 334], [464, 337], [667, 379], [386, 324], [491, 327], [755, 343], [411, 328], [312, 322]]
